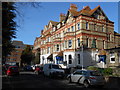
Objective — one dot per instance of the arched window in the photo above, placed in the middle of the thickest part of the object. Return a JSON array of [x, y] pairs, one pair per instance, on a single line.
[[70, 59]]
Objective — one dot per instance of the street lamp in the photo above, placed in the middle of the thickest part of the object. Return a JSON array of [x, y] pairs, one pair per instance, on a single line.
[[82, 53]]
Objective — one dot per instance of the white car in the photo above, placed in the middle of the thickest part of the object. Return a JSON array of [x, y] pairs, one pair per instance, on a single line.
[[87, 78], [53, 70]]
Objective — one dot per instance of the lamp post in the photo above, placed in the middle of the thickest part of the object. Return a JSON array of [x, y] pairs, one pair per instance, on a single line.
[[82, 54]]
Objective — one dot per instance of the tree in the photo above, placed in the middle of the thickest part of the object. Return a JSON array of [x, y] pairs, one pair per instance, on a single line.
[[9, 12], [27, 55], [8, 28], [37, 58]]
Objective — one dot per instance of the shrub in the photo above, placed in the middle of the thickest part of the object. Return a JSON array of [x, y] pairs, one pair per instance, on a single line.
[[92, 68], [108, 71]]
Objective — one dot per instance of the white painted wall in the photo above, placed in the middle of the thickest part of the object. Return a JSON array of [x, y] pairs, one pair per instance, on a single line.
[[89, 58], [45, 58]]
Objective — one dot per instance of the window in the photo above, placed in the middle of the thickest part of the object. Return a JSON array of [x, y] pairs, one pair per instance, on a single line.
[[72, 28], [54, 28], [65, 44], [62, 45], [108, 37], [94, 27], [70, 59], [78, 26], [68, 29], [48, 50], [87, 42], [112, 59], [48, 40], [43, 59], [65, 57], [103, 28], [69, 43], [94, 43], [78, 73], [78, 42], [57, 47], [103, 44], [78, 58], [86, 25]]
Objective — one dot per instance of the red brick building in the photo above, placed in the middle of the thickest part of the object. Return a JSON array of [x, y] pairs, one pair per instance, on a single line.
[[60, 42]]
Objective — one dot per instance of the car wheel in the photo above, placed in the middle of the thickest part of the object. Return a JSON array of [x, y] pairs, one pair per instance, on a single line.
[[86, 84]]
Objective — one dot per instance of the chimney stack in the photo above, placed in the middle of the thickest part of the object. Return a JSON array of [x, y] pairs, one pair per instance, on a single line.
[[62, 17], [73, 7]]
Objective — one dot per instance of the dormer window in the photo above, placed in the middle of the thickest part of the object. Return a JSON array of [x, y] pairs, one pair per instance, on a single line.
[[63, 23], [58, 26], [54, 28]]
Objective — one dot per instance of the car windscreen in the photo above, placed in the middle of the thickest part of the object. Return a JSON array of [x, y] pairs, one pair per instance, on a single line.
[[13, 68], [55, 67], [95, 73]]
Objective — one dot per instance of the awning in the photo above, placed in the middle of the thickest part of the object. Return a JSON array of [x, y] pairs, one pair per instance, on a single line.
[[59, 57], [50, 57], [102, 52], [60, 54]]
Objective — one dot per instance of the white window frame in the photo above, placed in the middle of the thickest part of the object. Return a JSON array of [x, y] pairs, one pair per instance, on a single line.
[[70, 43], [72, 28], [78, 26], [111, 58]]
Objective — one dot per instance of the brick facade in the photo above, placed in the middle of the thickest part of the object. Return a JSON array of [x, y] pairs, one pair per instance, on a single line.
[[90, 27]]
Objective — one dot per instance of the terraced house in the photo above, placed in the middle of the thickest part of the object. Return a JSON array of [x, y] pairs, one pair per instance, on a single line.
[[79, 38]]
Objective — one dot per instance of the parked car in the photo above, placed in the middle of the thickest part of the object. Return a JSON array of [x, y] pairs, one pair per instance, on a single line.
[[28, 68], [87, 78], [38, 70], [53, 70], [33, 67], [12, 70]]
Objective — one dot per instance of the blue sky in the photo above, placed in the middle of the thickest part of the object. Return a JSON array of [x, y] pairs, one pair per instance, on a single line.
[[34, 19]]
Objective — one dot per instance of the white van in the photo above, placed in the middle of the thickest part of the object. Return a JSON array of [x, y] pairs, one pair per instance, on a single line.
[[53, 70]]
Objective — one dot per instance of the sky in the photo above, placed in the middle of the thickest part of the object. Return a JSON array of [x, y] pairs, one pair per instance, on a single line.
[[34, 19]]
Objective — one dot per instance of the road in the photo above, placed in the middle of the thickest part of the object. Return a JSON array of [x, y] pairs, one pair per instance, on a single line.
[[31, 80]]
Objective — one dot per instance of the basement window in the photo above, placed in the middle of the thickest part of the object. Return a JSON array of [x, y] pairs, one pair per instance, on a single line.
[[112, 59]]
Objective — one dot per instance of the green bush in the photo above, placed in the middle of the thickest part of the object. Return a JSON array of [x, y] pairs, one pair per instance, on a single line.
[[92, 68], [103, 71], [108, 71]]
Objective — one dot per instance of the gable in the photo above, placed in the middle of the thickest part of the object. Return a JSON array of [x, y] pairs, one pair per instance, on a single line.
[[50, 25], [99, 14], [69, 17], [45, 27]]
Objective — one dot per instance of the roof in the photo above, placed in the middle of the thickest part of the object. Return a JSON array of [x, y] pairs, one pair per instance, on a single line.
[[86, 11], [116, 34], [53, 22]]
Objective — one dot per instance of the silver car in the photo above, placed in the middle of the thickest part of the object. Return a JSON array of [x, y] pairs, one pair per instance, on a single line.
[[87, 78]]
